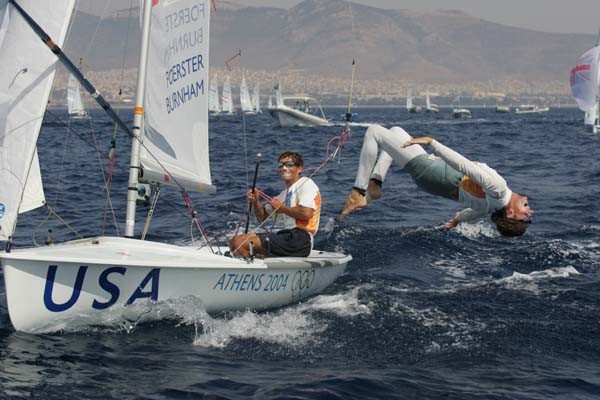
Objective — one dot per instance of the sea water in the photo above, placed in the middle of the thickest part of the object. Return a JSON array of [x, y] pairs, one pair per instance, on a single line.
[[421, 312]]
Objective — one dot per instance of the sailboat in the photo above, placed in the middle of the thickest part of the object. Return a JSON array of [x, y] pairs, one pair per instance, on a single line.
[[245, 100], [75, 106], [226, 99], [409, 103], [292, 111], [429, 106], [97, 280], [214, 106], [585, 86], [256, 99], [460, 112]]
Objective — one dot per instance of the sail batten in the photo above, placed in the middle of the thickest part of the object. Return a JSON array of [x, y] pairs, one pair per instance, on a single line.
[[25, 84]]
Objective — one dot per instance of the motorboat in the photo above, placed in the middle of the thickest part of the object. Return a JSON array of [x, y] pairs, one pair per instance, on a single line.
[[461, 113], [531, 109], [291, 111]]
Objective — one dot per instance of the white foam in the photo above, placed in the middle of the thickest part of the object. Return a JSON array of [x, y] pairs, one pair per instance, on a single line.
[[561, 272], [479, 229], [344, 304], [292, 326], [289, 326]]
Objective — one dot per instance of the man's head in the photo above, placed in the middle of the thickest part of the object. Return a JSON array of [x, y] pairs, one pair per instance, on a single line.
[[513, 219], [290, 167]]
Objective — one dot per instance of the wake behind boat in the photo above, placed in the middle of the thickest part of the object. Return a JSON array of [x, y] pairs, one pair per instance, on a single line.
[[292, 111], [103, 280]]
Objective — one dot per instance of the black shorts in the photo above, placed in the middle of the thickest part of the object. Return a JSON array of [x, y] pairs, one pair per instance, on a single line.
[[286, 242]]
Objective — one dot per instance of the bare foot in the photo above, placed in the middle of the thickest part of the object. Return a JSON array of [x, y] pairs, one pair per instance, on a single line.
[[354, 202], [374, 190]]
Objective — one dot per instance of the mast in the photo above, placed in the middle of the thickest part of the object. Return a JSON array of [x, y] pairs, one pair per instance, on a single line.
[[134, 163]]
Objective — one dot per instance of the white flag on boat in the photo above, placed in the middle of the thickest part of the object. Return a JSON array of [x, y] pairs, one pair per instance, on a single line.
[[584, 79], [176, 118]]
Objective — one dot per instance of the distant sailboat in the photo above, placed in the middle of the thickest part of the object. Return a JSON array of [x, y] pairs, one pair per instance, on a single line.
[[226, 99], [256, 99], [245, 101], [585, 86], [429, 106], [214, 106], [75, 105], [460, 112], [409, 103]]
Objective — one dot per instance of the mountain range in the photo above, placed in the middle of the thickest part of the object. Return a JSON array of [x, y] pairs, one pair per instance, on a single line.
[[324, 36]]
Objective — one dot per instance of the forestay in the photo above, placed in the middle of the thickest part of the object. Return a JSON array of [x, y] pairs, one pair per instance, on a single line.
[[25, 84], [176, 120], [584, 79]]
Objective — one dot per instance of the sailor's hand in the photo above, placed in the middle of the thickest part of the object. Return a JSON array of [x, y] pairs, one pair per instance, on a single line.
[[425, 140], [252, 196], [452, 223], [276, 204]]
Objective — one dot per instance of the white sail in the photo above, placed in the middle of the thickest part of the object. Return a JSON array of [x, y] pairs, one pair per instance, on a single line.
[[245, 101], [584, 79], [25, 84], [213, 96], [176, 119], [226, 100], [4, 24], [409, 102], [278, 94], [74, 101], [256, 98]]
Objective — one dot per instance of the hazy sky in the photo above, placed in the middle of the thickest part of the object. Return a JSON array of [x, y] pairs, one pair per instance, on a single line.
[[563, 16]]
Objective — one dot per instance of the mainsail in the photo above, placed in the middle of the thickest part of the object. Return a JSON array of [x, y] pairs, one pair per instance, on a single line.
[[245, 101], [74, 101], [25, 84], [174, 133], [213, 96], [256, 98], [226, 100]]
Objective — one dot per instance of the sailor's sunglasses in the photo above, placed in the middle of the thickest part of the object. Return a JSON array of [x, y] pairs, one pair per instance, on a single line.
[[287, 164]]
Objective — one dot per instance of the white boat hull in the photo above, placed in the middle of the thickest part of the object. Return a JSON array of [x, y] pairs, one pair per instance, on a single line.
[[535, 111], [461, 113], [107, 280], [288, 117]]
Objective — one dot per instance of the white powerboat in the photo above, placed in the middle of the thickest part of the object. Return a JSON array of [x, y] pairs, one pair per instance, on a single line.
[[296, 111], [461, 113], [531, 109]]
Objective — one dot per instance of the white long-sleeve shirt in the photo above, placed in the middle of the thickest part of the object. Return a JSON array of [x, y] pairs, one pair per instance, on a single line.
[[497, 193]]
